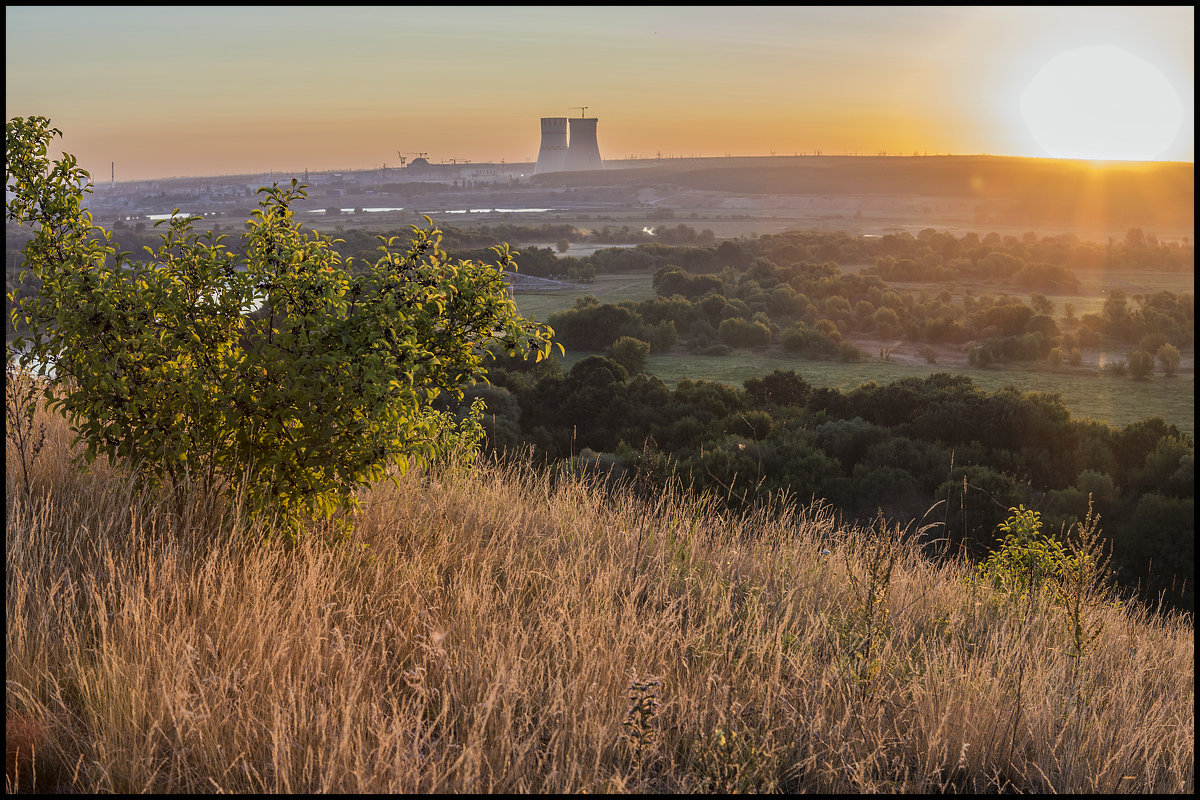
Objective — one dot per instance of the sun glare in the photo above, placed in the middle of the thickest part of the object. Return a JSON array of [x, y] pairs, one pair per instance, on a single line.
[[1102, 103]]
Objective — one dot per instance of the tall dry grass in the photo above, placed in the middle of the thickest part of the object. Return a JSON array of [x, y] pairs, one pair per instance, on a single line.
[[499, 630]]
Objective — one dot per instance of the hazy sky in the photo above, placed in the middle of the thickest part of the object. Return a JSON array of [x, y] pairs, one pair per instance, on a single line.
[[166, 91]]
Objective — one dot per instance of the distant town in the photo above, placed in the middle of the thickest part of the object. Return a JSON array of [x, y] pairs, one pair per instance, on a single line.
[[733, 196]]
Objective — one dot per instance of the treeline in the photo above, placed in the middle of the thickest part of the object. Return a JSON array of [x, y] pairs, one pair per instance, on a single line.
[[1036, 263], [935, 449]]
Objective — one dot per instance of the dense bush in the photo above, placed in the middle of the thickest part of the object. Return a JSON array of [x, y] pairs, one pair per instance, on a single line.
[[273, 369], [630, 353]]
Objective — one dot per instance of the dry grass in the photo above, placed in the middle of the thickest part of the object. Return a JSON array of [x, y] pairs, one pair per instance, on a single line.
[[493, 631]]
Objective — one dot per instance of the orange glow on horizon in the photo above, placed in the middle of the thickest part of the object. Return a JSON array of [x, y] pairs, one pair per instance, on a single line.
[[180, 91]]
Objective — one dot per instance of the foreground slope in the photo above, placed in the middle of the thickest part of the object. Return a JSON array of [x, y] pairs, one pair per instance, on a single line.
[[500, 630]]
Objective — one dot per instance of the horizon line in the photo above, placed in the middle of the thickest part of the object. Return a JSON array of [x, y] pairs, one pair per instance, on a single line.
[[1099, 163]]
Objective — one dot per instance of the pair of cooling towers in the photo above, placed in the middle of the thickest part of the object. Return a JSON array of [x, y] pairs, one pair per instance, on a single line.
[[583, 153]]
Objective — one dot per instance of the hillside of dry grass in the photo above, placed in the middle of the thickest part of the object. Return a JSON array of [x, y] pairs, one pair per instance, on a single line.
[[501, 630]]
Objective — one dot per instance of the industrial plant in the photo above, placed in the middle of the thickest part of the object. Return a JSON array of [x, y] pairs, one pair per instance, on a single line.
[[581, 152]]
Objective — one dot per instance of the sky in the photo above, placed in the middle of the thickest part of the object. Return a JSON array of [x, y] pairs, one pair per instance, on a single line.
[[172, 91]]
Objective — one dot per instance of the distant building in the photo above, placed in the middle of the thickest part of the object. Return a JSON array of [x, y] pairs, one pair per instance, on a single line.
[[557, 154], [552, 156], [584, 151]]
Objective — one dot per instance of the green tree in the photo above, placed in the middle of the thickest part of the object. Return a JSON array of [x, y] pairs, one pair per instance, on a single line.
[[779, 388], [273, 369], [1141, 364], [1168, 359], [737, 332], [630, 353]]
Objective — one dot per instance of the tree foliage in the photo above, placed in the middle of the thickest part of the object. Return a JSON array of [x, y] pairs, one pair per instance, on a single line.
[[276, 369]]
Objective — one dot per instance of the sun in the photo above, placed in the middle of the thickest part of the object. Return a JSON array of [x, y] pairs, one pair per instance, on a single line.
[[1102, 103]]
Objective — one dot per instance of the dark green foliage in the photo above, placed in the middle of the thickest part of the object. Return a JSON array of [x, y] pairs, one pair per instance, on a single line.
[[1159, 547], [630, 353], [778, 388], [1141, 364], [591, 326], [672, 280], [738, 332]]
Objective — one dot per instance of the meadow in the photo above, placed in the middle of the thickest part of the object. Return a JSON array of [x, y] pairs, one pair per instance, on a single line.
[[496, 628], [607, 288]]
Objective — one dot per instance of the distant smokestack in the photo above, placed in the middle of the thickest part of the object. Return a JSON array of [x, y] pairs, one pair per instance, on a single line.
[[584, 152], [113, 180], [553, 155]]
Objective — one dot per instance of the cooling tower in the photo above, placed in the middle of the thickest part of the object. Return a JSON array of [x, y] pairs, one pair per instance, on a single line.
[[584, 152], [553, 155]]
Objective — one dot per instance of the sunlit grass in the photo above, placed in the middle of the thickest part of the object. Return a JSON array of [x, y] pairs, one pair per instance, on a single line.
[[489, 630]]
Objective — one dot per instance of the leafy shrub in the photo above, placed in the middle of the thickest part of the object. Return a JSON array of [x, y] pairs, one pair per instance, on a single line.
[[1027, 558], [1141, 364], [592, 326], [1168, 359], [662, 337], [630, 353], [737, 332], [273, 370], [849, 352]]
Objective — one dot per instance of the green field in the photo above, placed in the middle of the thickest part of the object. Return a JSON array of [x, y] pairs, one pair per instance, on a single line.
[[606, 288], [1117, 401]]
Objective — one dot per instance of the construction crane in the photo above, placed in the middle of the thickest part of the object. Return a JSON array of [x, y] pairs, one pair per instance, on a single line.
[[404, 156], [581, 110]]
